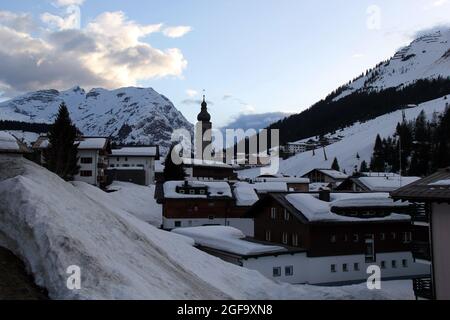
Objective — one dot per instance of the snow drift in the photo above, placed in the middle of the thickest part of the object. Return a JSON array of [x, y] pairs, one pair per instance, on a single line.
[[51, 225]]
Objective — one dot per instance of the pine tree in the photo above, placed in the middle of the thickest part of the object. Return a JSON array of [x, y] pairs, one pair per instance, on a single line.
[[61, 155], [377, 163], [364, 167], [335, 165], [420, 160], [172, 171]]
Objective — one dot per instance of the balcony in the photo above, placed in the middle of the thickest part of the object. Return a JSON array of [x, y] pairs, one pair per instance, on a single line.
[[423, 288], [421, 250]]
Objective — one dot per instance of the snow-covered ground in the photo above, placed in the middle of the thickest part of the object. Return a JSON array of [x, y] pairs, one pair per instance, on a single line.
[[356, 139], [51, 225]]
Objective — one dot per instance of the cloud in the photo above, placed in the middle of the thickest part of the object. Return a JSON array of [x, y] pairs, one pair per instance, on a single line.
[[196, 102], [255, 121], [358, 56], [66, 3], [176, 32], [108, 52], [191, 93], [439, 3]]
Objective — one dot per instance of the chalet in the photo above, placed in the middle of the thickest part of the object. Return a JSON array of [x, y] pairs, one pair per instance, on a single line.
[[433, 193], [93, 155], [11, 146], [208, 170], [133, 164], [329, 176], [341, 235], [293, 183], [375, 182], [200, 203]]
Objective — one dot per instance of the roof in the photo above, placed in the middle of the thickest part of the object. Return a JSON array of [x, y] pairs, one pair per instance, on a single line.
[[227, 239], [308, 208], [205, 163], [434, 188], [215, 190], [10, 144], [334, 174], [150, 151], [84, 143], [283, 179], [384, 184]]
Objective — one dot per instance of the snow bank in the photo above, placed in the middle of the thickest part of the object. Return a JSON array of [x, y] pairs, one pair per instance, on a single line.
[[8, 142], [441, 183], [245, 194], [226, 239], [51, 225]]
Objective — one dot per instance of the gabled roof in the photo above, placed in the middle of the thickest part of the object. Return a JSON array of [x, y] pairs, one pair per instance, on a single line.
[[375, 183], [84, 143], [141, 151], [434, 188], [334, 174]]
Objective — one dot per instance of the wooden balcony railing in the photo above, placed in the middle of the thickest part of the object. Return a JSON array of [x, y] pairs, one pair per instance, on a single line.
[[423, 288], [421, 250]]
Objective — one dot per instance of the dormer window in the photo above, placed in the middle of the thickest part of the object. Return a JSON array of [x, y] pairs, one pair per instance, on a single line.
[[202, 192], [192, 191], [182, 191]]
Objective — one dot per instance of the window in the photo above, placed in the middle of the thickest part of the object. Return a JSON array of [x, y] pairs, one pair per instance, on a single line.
[[85, 173], [382, 236], [333, 268], [345, 238], [356, 266], [333, 238], [118, 159], [286, 215], [86, 160], [192, 191], [177, 224], [405, 263], [126, 158], [268, 236], [383, 264], [370, 248], [393, 235], [355, 238], [273, 213], [289, 271], [277, 272], [394, 264], [112, 166], [211, 217], [345, 267], [295, 240], [407, 237], [202, 192], [182, 191], [285, 238]]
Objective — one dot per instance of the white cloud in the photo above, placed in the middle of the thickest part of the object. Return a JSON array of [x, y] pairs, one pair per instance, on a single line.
[[109, 52], [22, 22], [439, 3], [66, 3], [177, 32], [358, 56], [191, 93]]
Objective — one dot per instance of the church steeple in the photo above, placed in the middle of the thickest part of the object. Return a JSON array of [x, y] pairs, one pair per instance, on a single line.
[[204, 116]]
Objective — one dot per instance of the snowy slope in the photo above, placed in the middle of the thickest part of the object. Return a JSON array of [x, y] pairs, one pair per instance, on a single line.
[[51, 225], [426, 57], [356, 139], [130, 115]]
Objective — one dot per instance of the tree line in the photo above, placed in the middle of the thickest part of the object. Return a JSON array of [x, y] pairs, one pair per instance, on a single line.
[[418, 148]]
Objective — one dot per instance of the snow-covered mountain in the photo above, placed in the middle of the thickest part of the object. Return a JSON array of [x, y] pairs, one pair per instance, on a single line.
[[130, 115], [358, 139], [427, 57]]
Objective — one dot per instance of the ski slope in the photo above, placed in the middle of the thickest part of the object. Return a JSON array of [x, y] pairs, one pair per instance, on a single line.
[[356, 139]]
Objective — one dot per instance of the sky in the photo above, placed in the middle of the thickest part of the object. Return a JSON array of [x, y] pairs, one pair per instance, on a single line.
[[247, 56]]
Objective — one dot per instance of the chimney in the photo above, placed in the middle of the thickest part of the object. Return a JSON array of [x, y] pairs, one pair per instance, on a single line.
[[324, 195]]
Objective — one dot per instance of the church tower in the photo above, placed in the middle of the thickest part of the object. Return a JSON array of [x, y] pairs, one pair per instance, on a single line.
[[203, 134]]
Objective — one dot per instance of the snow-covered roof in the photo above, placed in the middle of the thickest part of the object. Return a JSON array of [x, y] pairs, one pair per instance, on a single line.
[[205, 163], [386, 184], [10, 144], [246, 194], [284, 179], [379, 174], [226, 239], [88, 143], [317, 186], [136, 152], [316, 210], [159, 167], [441, 183], [334, 174], [215, 190]]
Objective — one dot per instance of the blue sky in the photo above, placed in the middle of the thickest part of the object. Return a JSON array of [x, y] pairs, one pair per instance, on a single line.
[[250, 56]]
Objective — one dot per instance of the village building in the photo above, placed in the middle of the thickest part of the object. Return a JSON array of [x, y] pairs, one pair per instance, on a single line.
[[11, 146], [375, 182], [340, 235], [133, 164], [201, 203], [431, 250], [92, 156], [331, 177], [208, 170]]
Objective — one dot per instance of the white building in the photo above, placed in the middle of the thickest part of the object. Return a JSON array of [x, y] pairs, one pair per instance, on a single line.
[[92, 158], [297, 147], [135, 158]]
